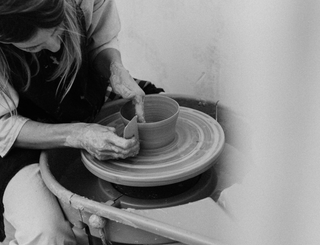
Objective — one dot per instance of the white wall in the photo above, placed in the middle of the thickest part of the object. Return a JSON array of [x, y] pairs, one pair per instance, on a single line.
[[260, 58], [173, 43]]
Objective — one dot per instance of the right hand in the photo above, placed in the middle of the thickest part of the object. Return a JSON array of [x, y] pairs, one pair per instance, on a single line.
[[103, 143], [123, 84]]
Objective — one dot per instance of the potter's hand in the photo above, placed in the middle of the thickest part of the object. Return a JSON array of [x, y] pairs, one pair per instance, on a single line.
[[102, 142], [123, 84]]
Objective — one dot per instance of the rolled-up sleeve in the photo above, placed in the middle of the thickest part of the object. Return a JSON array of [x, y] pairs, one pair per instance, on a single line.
[[102, 23], [10, 124]]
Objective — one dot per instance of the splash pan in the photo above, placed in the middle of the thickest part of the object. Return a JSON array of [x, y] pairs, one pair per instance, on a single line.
[[198, 141]]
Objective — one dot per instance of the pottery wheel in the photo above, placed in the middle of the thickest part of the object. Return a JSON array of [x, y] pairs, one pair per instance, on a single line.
[[198, 142]]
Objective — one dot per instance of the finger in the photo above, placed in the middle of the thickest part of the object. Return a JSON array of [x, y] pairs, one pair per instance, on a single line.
[[140, 113], [112, 144], [104, 157], [117, 154], [121, 143], [139, 108], [112, 129]]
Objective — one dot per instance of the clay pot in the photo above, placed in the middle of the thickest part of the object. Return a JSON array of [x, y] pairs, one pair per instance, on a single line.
[[161, 114]]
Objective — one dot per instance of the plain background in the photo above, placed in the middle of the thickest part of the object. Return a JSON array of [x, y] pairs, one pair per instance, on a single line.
[[260, 59]]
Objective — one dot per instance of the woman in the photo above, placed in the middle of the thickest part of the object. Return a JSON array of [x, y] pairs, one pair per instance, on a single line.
[[59, 63]]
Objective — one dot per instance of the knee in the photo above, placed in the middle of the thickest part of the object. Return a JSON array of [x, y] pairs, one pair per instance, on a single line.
[[43, 231]]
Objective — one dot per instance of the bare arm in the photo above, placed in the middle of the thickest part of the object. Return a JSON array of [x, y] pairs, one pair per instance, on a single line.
[[37, 135], [108, 63], [104, 59], [100, 141]]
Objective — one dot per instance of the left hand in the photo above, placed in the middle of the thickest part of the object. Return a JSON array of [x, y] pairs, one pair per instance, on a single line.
[[102, 142], [123, 84]]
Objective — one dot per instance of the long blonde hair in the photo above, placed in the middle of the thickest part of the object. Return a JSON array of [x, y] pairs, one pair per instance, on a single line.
[[20, 21]]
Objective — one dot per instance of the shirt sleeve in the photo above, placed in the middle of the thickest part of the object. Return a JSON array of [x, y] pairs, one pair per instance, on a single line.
[[10, 124], [102, 24]]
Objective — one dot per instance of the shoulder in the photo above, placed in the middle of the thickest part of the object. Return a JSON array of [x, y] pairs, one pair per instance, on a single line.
[[94, 9], [92, 5], [86, 5]]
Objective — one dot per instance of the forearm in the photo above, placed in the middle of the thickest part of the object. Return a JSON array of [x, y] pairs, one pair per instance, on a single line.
[[35, 135], [100, 141], [109, 65], [104, 59]]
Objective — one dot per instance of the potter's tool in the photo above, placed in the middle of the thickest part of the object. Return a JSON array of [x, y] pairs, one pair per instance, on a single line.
[[131, 130]]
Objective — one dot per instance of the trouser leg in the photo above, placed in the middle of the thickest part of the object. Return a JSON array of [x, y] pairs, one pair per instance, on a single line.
[[34, 212]]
